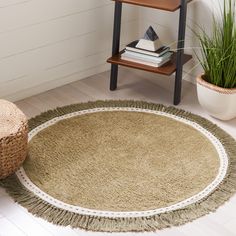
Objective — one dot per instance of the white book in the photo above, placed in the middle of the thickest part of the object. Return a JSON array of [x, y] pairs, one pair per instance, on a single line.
[[153, 64], [148, 58]]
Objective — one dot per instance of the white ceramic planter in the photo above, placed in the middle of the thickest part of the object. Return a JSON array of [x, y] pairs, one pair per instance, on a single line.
[[218, 102]]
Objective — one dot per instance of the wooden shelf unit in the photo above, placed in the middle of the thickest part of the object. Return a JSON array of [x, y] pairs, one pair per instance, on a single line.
[[168, 69], [179, 58], [166, 5]]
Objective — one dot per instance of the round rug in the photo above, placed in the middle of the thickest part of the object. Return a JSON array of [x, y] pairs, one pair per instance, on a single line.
[[121, 166]]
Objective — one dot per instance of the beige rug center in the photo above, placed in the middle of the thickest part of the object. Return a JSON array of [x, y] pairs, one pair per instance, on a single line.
[[121, 161]]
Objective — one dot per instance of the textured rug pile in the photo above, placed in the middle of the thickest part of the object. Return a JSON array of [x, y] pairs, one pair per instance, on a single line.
[[121, 166]]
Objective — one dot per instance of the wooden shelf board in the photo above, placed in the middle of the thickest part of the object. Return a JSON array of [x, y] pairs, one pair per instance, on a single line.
[[167, 5], [167, 69]]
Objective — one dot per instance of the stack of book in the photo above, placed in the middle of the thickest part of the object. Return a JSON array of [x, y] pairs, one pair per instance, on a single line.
[[151, 58]]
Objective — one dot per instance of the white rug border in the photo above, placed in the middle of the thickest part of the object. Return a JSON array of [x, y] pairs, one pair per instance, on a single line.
[[224, 163]]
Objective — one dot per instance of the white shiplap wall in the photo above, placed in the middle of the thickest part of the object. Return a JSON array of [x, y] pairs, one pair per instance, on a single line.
[[48, 43]]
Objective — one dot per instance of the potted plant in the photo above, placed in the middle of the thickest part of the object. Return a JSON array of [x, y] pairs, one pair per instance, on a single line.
[[216, 88]]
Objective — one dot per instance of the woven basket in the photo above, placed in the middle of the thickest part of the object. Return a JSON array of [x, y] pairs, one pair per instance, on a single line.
[[13, 138]]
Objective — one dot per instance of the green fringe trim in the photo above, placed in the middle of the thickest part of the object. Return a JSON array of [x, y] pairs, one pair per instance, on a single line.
[[58, 216]]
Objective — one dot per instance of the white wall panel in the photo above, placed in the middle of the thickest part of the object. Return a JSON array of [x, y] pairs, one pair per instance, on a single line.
[[42, 40]]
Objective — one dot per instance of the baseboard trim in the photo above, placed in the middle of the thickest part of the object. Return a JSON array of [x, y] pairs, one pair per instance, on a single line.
[[22, 94]]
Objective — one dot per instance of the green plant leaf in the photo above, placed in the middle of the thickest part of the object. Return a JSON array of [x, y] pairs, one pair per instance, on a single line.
[[218, 50]]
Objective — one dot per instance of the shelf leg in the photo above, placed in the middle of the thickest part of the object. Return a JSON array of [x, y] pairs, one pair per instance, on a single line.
[[116, 43], [180, 53]]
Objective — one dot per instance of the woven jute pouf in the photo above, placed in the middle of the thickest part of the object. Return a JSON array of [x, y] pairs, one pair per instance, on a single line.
[[13, 138]]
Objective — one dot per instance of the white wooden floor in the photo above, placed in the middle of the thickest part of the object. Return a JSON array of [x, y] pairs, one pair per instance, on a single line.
[[15, 221]]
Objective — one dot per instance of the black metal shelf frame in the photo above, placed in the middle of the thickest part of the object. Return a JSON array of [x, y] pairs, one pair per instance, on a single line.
[[180, 51]]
